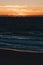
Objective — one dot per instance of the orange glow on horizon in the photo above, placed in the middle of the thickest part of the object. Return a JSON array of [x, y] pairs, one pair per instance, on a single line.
[[19, 11]]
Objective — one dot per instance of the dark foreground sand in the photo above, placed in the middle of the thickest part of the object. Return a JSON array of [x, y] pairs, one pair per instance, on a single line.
[[8, 57]]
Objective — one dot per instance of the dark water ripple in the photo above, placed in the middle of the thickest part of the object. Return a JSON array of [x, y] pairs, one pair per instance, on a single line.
[[21, 42]]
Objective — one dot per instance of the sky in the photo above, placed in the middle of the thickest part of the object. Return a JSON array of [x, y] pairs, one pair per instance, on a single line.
[[22, 2], [21, 7]]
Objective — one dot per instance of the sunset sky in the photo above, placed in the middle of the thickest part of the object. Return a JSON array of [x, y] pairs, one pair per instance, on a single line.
[[21, 7]]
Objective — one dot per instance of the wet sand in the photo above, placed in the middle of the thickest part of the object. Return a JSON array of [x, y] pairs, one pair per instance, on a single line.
[[9, 57]]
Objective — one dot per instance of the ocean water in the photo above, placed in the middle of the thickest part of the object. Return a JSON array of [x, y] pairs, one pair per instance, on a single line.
[[22, 33]]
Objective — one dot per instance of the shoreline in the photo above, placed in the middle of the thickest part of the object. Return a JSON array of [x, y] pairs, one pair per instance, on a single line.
[[17, 58], [21, 51], [10, 57]]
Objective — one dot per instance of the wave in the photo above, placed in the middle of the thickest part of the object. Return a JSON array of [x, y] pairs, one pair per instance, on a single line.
[[21, 43]]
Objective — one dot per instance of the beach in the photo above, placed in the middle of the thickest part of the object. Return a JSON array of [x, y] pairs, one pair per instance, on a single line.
[[8, 57]]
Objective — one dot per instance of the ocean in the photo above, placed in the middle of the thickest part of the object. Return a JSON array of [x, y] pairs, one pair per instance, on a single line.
[[22, 33]]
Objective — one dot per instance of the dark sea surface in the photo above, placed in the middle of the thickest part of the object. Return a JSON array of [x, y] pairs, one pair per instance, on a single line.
[[22, 33]]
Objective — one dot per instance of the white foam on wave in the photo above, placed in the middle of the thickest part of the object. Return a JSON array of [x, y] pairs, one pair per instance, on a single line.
[[17, 37], [22, 37]]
